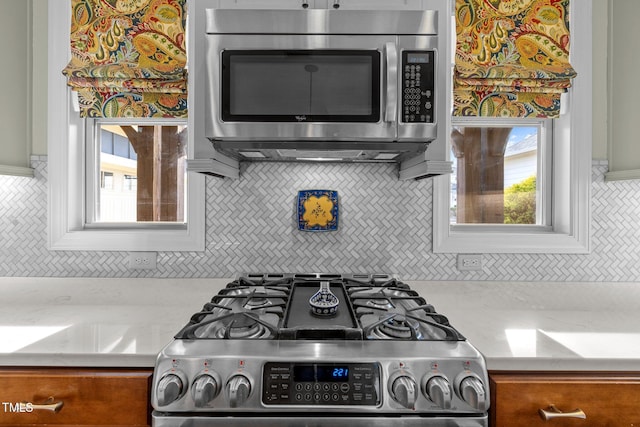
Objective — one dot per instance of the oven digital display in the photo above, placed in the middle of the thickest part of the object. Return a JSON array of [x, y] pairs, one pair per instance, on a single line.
[[320, 373], [321, 384]]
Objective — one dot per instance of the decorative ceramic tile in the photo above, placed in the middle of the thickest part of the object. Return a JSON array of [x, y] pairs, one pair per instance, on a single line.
[[318, 210]]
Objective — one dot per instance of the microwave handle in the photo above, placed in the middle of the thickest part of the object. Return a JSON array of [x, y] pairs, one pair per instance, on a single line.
[[391, 60]]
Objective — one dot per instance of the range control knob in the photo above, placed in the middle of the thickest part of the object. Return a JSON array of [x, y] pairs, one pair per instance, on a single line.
[[403, 391], [170, 388], [205, 388], [238, 390], [472, 391], [438, 390]]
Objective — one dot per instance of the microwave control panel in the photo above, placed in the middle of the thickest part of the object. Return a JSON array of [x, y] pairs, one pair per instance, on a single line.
[[418, 71]]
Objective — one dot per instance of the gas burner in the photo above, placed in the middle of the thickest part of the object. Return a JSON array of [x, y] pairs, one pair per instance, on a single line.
[[380, 303], [256, 300], [259, 298], [384, 299], [243, 326], [388, 301], [396, 326]]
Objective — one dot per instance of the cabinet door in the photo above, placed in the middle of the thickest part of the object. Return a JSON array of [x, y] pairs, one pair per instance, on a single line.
[[15, 122], [89, 397], [607, 400]]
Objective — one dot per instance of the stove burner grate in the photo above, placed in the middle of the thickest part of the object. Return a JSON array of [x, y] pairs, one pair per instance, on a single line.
[[404, 314], [415, 324], [373, 307], [232, 325]]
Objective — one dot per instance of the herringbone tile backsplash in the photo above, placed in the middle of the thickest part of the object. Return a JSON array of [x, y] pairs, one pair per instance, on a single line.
[[385, 226]]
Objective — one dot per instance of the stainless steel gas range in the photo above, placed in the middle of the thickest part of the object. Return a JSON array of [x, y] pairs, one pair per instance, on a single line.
[[303, 350]]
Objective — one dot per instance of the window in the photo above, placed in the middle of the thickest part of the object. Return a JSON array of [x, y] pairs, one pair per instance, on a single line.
[[106, 180], [500, 173], [473, 217], [130, 183], [90, 160], [147, 163]]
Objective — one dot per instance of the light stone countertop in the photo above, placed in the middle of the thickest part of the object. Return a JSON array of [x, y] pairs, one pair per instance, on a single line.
[[89, 322]]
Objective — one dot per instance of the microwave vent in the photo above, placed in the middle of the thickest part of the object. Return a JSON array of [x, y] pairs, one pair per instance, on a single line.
[[321, 154], [252, 154], [386, 156]]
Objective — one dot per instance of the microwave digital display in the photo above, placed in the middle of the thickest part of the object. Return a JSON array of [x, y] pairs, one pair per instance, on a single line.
[[418, 58]]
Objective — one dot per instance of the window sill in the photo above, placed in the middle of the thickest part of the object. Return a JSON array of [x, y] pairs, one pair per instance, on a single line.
[[128, 240], [541, 243]]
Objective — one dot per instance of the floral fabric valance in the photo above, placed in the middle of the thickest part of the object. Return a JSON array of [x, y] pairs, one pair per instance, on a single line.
[[512, 58], [129, 58]]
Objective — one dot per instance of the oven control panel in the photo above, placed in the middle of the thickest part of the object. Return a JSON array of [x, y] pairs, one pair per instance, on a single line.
[[321, 384], [418, 86]]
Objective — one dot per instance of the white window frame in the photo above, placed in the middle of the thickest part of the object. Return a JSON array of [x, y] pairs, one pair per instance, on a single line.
[[543, 176], [92, 168], [571, 173], [67, 229]]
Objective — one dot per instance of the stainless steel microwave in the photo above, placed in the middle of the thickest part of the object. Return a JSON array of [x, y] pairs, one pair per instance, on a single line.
[[322, 84]]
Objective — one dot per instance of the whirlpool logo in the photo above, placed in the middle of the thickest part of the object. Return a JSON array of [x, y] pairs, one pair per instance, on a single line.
[[301, 118]]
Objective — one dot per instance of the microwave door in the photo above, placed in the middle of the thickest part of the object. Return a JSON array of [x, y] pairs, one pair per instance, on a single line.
[[303, 88], [297, 85]]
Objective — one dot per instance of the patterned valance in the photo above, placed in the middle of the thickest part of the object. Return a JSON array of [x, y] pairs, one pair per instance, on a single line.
[[512, 58], [129, 58]]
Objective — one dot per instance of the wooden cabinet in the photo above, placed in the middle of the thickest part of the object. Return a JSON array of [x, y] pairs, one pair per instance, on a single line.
[[607, 399], [89, 397]]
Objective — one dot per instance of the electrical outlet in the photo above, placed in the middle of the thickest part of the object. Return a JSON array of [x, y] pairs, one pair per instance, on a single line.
[[469, 262], [142, 260]]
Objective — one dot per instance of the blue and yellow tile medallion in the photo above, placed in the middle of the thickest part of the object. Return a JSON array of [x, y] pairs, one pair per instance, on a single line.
[[317, 210]]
